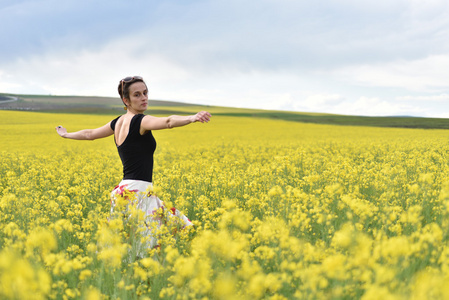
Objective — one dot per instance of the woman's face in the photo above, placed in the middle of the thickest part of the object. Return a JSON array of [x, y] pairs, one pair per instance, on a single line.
[[138, 97]]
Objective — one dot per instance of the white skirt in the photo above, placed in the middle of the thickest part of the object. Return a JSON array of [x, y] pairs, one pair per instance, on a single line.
[[149, 204]]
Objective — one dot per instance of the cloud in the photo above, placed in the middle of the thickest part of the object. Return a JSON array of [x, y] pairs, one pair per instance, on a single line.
[[442, 98], [269, 35], [375, 107], [423, 75], [315, 102], [37, 26], [364, 106], [325, 56], [87, 72]]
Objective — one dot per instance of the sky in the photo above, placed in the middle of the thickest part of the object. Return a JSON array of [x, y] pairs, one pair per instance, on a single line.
[[353, 57]]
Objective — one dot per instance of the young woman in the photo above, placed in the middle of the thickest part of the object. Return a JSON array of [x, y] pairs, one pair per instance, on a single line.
[[136, 145]]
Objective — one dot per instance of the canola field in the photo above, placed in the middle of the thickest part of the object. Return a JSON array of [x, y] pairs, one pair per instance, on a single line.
[[282, 210]]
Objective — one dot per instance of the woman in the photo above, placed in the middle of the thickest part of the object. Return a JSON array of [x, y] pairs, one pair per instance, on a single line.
[[136, 146]]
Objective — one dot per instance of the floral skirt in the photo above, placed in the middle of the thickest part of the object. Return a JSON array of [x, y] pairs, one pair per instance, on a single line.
[[139, 194]]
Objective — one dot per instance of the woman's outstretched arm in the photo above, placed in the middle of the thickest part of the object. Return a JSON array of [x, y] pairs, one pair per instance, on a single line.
[[155, 123], [86, 134]]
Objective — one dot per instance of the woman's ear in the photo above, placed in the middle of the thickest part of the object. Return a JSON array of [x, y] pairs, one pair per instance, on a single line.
[[126, 101]]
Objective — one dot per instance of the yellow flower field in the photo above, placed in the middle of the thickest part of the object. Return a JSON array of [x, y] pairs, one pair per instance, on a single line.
[[282, 210]]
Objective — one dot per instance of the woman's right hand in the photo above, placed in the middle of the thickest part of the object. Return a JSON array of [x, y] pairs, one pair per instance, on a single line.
[[202, 116]]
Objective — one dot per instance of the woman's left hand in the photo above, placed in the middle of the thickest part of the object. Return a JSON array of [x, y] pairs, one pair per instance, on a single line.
[[61, 130]]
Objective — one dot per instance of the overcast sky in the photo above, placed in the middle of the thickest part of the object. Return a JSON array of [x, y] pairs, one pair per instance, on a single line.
[[358, 57]]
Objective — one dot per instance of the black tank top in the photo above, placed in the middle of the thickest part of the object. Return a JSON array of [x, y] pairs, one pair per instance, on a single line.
[[136, 151]]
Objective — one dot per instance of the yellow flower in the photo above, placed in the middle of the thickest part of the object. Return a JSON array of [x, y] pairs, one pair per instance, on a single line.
[[63, 224], [281, 210], [20, 280], [275, 191], [84, 274], [42, 239], [121, 284], [426, 178], [344, 237], [70, 293], [225, 287], [93, 294], [335, 266], [171, 255], [7, 200]]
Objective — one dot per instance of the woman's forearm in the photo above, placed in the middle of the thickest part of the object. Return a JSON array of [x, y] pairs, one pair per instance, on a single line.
[[178, 121], [78, 135]]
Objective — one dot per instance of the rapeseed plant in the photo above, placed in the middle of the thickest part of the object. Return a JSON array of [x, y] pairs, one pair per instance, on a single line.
[[281, 210]]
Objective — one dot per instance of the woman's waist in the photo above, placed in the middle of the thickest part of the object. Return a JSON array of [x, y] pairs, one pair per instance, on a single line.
[[134, 185]]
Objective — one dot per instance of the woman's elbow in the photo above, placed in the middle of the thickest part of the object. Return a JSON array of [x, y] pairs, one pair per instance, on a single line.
[[169, 123], [88, 135]]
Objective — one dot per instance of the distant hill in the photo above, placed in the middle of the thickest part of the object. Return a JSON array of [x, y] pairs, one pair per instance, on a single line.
[[114, 106], [70, 104]]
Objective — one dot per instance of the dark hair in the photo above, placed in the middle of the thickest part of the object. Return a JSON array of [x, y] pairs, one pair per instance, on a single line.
[[126, 84]]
